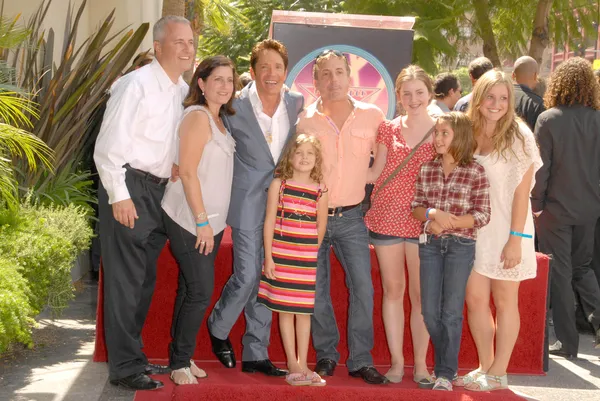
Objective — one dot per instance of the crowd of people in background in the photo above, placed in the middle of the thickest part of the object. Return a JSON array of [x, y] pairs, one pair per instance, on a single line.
[[462, 184]]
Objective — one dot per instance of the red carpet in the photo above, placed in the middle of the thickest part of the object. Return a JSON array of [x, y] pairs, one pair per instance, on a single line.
[[233, 385], [527, 356]]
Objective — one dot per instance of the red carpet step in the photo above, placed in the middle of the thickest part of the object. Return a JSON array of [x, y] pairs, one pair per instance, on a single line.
[[233, 385], [527, 357]]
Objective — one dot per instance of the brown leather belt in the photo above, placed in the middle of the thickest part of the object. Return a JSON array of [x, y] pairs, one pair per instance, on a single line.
[[340, 209]]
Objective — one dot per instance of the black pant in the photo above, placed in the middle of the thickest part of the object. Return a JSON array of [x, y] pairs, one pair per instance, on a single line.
[[196, 283], [596, 259], [129, 272], [571, 248]]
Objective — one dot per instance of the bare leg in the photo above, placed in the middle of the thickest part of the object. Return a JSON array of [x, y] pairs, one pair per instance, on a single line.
[[391, 265], [480, 318], [302, 338], [508, 321], [420, 335], [288, 337]]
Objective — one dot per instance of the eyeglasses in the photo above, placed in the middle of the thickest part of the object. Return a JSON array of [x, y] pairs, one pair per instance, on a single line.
[[329, 51]]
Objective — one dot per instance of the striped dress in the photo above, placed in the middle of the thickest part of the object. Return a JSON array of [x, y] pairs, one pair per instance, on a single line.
[[295, 249]]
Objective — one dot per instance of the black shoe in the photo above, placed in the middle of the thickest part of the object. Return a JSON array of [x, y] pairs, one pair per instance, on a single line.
[[265, 366], [370, 375], [138, 381], [597, 344], [564, 354], [152, 369], [325, 367], [223, 350]]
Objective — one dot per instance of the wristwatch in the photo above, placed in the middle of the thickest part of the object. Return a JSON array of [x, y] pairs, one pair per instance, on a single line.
[[201, 216]]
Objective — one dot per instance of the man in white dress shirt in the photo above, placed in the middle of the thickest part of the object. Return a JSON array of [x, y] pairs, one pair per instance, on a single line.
[[134, 155]]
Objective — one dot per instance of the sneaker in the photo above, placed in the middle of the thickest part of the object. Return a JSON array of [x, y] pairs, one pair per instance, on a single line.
[[441, 383], [557, 346]]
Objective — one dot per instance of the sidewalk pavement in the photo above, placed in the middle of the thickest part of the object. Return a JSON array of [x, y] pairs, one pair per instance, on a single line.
[[60, 367]]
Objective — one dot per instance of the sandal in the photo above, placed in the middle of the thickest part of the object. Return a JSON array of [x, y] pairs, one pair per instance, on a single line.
[[183, 376], [489, 383], [441, 383], [298, 379], [425, 382], [394, 377], [316, 380], [196, 371], [469, 378]]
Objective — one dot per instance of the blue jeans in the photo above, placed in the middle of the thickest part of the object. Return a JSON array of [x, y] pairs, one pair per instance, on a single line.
[[446, 264], [348, 235]]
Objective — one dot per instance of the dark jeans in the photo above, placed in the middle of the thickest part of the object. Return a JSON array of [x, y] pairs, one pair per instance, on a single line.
[[446, 264], [129, 272], [348, 235], [571, 248], [196, 283]]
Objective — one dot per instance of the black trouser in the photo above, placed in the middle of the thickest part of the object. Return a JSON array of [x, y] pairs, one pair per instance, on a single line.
[[129, 272], [596, 258], [195, 288], [571, 248]]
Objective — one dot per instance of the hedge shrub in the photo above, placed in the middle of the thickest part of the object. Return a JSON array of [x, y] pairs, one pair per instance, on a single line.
[[39, 246]]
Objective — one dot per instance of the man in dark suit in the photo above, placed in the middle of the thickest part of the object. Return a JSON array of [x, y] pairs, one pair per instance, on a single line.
[[265, 119], [528, 105]]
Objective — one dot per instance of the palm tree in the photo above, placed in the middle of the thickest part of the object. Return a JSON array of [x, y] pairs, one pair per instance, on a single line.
[[15, 141]]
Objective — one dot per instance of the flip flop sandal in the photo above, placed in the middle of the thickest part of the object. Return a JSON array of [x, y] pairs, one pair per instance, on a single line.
[[425, 382], [298, 379], [490, 383], [316, 380], [203, 374], [394, 377], [469, 378], [187, 373]]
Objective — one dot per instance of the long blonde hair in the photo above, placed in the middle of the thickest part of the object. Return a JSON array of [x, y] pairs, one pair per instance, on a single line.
[[507, 128], [285, 171]]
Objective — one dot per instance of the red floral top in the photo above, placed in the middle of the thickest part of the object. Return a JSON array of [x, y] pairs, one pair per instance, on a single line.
[[390, 211]]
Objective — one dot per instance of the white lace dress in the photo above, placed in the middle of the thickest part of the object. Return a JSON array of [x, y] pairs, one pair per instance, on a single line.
[[504, 177]]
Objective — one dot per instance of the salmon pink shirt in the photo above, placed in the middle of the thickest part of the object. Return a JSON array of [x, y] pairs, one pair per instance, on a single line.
[[346, 151]]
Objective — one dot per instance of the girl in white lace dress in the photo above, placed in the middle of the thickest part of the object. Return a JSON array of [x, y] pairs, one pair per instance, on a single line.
[[504, 254]]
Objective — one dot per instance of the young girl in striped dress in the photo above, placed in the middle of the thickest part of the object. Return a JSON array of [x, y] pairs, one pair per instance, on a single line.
[[294, 228]]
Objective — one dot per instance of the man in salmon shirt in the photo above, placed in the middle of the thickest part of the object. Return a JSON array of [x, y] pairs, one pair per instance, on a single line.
[[347, 130]]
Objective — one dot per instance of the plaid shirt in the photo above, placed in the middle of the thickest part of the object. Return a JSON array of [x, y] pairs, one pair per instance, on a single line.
[[465, 191]]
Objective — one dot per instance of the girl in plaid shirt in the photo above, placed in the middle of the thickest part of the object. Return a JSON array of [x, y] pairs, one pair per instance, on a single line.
[[452, 198]]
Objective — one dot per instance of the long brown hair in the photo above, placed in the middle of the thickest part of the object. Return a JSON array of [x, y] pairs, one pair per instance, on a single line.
[[410, 73], [284, 169], [463, 143], [507, 128], [195, 95], [573, 83]]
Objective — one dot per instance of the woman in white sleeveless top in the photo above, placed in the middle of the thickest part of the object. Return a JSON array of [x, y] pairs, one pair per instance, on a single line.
[[196, 205], [504, 252]]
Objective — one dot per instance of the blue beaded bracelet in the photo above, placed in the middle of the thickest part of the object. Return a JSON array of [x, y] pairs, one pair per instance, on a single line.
[[518, 234], [202, 224]]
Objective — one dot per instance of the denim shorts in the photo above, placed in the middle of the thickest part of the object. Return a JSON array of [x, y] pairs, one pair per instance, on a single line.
[[383, 239]]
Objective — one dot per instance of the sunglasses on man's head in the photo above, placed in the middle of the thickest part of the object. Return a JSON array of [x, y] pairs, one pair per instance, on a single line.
[[329, 51]]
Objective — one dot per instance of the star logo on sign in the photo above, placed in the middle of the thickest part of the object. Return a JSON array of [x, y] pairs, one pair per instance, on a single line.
[[362, 94]]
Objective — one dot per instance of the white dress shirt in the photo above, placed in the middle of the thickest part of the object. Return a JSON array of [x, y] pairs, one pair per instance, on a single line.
[[139, 128], [275, 128]]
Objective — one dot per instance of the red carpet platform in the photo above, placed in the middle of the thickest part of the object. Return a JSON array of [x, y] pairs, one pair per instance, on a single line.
[[527, 357], [223, 384]]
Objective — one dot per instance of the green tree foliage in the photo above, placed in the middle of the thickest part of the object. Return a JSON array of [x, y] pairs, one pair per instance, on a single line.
[[242, 36], [444, 29]]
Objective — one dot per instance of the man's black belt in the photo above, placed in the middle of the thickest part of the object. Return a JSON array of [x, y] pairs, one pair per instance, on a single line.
[[340, 209], [147, 176]]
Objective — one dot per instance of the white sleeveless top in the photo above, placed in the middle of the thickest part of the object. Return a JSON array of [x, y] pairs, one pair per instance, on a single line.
[[215, 173]]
